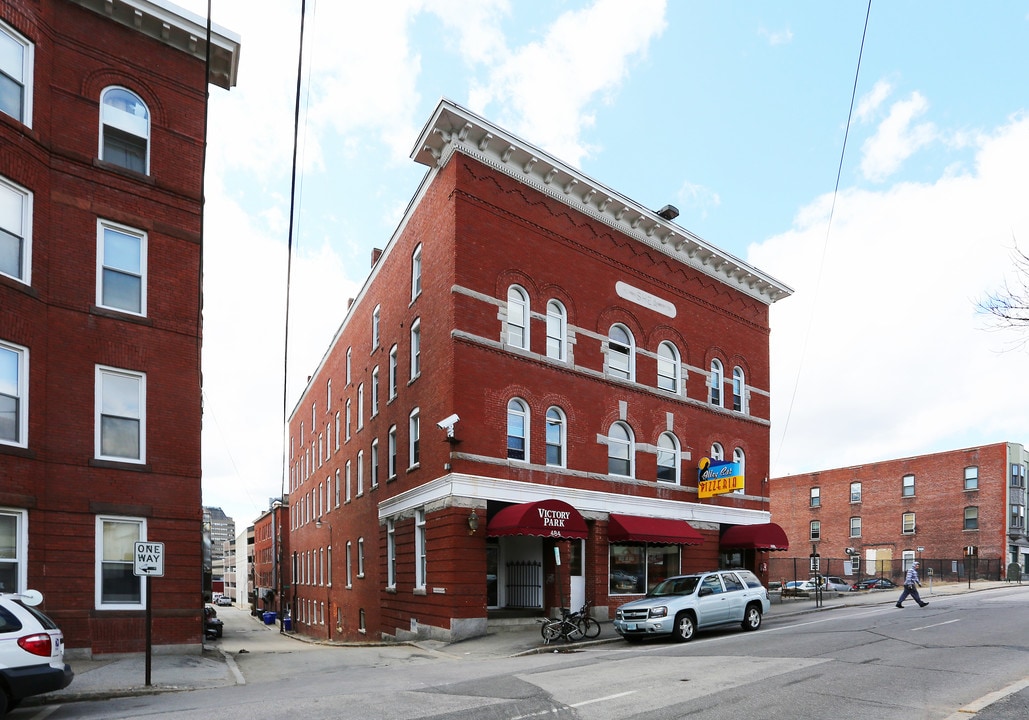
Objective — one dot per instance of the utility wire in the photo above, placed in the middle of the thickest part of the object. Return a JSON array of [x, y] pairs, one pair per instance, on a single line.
[[828, 228]]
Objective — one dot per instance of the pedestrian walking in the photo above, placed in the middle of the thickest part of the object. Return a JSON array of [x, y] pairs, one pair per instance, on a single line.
[[911, 585]]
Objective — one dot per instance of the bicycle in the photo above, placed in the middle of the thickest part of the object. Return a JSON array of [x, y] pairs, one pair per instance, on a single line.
[[590, 627], [571, 626]]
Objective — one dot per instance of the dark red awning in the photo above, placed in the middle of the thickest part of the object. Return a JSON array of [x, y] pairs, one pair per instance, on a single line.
[[765, 536], [545, 518], [655, 530]]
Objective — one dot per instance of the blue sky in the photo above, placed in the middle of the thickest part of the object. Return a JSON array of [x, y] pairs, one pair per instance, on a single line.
[[735, 112]]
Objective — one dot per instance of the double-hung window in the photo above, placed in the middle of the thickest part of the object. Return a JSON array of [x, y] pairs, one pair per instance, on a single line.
[[517, 317], [13, 546], [620, 351], [668, 458], [117, 588], [121, 268], [416, 348], [557, 328], [414, 438], [416, 272], [715, 386], [14, 394], [419, 549], [124, 130], [556, 437], [517, 430], [120, 425], [668, 367], [620, 450], [16, 63], [15, 231], [739, 386]]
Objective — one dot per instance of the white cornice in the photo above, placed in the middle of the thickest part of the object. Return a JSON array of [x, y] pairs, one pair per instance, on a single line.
[[177, 28], [453, 128]]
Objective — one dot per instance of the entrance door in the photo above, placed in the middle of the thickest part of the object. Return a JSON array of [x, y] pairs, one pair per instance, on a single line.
[[492, 575], [576, 569]]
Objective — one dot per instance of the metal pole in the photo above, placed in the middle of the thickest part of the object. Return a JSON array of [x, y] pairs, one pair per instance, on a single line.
[[149, 633]]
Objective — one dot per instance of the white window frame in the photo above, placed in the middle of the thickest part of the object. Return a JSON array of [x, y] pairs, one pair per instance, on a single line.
[[663, 441], [348, 479], [346, 421], [360, 473], [101, 265], [416, 349], [416, 272], [391, 454], [25, 74], [518, 409], [669, 368], [349, 366], [414, 433], [855, 491], [373, 464], [557, 422], [16, 221], [360, 407], [815, 530], [815, 497], [716, 387], [376, 318], [98, 569], [420, 549], [103, 372], [904, 485], [374, 410], [391, 554], [621, 353], [350, 566], [855, 526], [739, 390], [393, 373], [626, 443], [337, 488], [517, 330], [907, 523], [971, 481], [360, 557], [20, 559], [20, 390], [127, 124], [740, 458], [557, 331]]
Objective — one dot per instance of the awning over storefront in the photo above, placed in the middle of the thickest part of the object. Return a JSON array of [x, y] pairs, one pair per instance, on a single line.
[[621, 528], [766, 536], [545, 518]]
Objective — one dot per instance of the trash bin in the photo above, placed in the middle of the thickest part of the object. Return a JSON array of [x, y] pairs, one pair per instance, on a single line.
[[287, 624], [269, 618]]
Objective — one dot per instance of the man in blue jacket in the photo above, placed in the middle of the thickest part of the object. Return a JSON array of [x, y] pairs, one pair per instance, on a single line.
[[911, 585]]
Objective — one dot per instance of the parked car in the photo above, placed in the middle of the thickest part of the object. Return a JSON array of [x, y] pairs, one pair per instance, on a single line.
[[874, 584], [223, 601], [31, 650], [831, 583], [213, 625], [798, 587], [681, 605]]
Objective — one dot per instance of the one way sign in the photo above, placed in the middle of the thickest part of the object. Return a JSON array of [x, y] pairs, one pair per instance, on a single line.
[[148, 559]]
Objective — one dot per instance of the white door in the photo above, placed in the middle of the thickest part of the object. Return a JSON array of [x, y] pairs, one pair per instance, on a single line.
[[578, 576]]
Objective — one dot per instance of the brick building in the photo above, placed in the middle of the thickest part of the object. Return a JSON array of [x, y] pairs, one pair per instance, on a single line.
[[928, 507], [514, 411], [270, 566], [102, 112]]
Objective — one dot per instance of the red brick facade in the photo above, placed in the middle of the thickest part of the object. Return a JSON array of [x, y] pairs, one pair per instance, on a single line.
[[480, 226], [56, 486], [945, 513]]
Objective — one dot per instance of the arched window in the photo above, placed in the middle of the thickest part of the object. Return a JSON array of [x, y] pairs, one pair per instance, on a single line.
[[668, 458], [716, 452], [620, 450], [517, 317], [517, 430], [124, 130], [556, 437], [739, 401], [740, 459], [620, 353], [668, 367], [715, 385], [557, 325], [416, 272]]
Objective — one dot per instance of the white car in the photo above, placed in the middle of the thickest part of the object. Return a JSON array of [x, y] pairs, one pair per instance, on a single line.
[[31, 650]]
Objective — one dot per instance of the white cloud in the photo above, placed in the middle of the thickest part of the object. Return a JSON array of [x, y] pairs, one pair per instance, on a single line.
[[897, 138], [869, 103], [692, 195], [777, 37], [544, 89], [893, 359]]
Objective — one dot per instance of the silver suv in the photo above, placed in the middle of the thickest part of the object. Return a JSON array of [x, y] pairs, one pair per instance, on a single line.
[[681, 605], [31, 651]]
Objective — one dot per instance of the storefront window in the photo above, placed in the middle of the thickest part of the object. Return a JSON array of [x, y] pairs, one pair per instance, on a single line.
[[638, 567]]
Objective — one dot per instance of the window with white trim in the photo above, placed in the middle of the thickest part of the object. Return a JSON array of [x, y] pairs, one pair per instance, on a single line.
[[121, 256], [907, 523], [739, 390], [715, 383], [348, 480], [517, 430], [391, 454], [346, 420], [669, 369], [337, 429], [740, 459], [557, 331], [416, 272], [373, 464], [972, 477], [13, 550], [855, 527], [971, 518], [349, 365], [620, 450], [14, 395], [337, 488], [416, 348], [16, 70], [375, 392], [393, 372], [124, 130], [668, 458], [907, 486], [557, 437], [414, 427], [391, 554], [350, 565], [120, 415], [815, 498], [517, 317], [360, 473], [360, 557], [420, 549], [815, 530], [855, 492], [360, 406], [15, 230], [716, 452], [376, 314], [117, 588], [621, 351]]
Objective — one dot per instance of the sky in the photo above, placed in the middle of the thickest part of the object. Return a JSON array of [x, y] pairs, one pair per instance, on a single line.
[[734, 112]]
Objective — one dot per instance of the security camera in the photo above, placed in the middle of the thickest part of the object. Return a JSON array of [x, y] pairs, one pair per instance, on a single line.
[[448, 423]]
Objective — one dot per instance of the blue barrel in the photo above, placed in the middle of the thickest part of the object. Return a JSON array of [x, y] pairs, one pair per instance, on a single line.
[[287, 624]]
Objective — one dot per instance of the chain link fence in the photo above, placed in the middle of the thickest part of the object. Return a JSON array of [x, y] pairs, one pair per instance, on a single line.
[[852, 570]]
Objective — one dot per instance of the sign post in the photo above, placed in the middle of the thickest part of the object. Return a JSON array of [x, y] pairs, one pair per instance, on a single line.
[[148, 562]]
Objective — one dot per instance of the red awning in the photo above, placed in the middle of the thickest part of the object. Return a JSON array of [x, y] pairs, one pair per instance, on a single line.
[[656, 530], [546, 518], [766, 536]]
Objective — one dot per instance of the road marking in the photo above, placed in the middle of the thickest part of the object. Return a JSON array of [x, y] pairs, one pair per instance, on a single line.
[[554, 711], [926, 627], [972, 709], [46, 711]]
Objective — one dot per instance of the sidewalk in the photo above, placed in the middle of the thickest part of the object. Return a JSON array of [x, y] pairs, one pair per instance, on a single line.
[[216, 666]]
